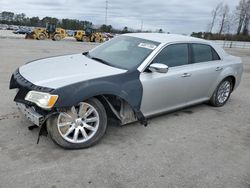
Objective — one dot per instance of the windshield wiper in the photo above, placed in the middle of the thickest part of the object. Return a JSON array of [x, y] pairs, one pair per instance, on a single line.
[[100, 60], [96, 58], [86, 54]]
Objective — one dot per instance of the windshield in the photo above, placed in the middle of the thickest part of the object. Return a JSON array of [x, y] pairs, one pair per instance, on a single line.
[[123, 52]]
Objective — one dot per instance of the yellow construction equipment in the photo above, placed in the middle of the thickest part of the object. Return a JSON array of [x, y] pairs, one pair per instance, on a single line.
[[50, 32], [89, 36]]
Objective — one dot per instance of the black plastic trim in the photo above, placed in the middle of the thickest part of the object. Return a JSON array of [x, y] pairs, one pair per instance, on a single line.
[[126, 86]]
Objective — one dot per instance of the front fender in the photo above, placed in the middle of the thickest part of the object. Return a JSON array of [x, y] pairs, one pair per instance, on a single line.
[[73, 94], [126, 86]]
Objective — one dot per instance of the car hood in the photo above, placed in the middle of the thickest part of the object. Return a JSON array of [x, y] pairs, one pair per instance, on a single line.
[[60, 71]]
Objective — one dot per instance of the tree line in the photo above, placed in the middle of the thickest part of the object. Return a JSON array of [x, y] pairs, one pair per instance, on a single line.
[[11, 18], [228, 24]]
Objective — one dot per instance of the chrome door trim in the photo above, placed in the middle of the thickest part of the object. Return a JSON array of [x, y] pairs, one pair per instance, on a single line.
[[219, 68], [186, 75], [152, 56]]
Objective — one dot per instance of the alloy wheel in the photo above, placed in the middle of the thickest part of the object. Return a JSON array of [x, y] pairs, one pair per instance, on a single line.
[[78, 124], [224, 91]]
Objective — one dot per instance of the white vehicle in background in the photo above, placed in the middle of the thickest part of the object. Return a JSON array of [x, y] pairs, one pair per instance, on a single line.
[[3, 26], [13, 27]]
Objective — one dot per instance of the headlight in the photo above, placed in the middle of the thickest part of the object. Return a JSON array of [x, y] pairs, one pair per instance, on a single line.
[[43, 100]]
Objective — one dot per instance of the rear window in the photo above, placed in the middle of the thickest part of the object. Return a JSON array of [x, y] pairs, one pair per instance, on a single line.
[[203, 53]]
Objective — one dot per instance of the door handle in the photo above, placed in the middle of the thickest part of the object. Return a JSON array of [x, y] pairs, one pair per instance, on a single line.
[[186, 75], [218, 68]]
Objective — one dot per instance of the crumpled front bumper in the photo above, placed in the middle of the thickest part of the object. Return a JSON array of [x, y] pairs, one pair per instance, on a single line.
[[31, 114]]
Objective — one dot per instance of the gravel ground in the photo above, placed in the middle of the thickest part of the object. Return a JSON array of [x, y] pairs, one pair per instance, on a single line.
[[201, 146]]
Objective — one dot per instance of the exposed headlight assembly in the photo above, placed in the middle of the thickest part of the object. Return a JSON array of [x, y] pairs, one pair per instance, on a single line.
[[43, 100]]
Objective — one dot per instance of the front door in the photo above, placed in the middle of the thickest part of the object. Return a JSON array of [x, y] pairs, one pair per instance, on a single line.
[[166, 91]]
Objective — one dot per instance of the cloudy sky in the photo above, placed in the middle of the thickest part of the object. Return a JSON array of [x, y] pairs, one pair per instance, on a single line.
[[175, 16]]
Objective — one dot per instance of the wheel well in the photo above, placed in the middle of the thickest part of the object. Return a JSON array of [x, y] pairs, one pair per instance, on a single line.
[[233, 80], [117, 108], [113, 99]]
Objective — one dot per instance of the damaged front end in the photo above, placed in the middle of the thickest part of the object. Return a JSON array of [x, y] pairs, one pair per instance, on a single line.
[[38, 115], [31, 111]]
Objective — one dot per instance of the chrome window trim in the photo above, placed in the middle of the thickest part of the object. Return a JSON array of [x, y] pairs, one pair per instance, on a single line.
[[152, 56]]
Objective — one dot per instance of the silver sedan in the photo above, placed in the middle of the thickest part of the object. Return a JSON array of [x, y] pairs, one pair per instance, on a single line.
[[129, 78]]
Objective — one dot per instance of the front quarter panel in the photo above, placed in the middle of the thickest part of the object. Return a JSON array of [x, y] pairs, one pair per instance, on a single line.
[[126, 86]]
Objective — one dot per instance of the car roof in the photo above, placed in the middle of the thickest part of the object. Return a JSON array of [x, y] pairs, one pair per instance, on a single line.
[[165, 38]]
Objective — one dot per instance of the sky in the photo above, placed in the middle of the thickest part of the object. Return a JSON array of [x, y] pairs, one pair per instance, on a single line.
[[174, 16]]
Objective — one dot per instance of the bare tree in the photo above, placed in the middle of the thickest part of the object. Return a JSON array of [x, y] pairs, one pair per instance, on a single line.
[[241, 15], [224, 14], [229, 25], [215, 13], [247, 18]]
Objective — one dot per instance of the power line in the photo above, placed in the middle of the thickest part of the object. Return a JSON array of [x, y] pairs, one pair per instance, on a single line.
[[141, 25], [106, 12]]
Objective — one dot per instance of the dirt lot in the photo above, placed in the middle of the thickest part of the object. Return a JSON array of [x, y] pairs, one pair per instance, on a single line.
[[200, 146]]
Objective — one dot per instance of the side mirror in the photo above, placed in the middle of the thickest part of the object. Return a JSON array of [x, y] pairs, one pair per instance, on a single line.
[[158, 67]]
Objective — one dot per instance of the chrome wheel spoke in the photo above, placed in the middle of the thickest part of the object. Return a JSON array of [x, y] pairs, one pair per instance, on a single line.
[[89, 127], [91, 120], [84, 134], [70, 130], [90, 110], [78, 124], [76, 133]]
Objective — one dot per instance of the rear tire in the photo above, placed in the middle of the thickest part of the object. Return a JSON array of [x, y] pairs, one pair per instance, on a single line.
[[57, 37], [85, 39], [41, 36], [222, 93], [55, 127]]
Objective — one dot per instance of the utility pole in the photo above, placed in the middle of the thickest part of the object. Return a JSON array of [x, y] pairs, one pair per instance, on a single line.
[[106, 13], [141, 25]]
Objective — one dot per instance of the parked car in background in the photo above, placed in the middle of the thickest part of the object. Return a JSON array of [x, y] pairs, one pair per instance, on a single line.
[[70, 33], [109, 36], [22, 31], [131, 77], [13, 27], [3, 26]]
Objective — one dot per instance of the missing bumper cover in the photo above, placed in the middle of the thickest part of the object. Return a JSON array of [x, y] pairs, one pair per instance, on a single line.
[[31, 114]]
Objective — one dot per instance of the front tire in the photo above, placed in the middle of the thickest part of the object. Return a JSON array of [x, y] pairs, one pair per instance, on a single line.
[[222, 93], [41, 36], [57, 37], [80, 127]]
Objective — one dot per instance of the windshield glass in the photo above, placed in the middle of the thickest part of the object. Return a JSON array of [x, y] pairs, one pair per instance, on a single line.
[[123, 52]]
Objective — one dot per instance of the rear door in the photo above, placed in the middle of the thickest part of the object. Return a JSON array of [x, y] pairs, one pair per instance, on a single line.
[[204, 70]]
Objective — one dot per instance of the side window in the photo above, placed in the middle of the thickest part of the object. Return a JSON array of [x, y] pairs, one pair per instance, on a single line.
[[203, 53], [173, 55], [215, 55]]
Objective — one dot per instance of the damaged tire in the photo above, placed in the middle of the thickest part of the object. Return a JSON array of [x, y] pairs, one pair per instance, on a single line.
[[79, 127]]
